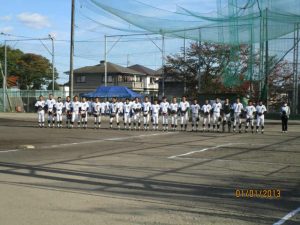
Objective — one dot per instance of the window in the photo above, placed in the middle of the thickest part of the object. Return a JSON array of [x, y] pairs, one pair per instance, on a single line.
[[81, 79], [109, 79]]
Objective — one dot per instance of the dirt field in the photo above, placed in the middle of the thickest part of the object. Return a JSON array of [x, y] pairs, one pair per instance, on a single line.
[[105, 176]]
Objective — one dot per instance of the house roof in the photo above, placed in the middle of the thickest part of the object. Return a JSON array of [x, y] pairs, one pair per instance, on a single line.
[[111, 69], [142, 69]]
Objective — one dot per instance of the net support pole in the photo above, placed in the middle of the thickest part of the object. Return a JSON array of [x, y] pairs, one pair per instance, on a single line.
[[295, 70], [105, 60], [5, 76], [297, 67], [71, 75], [266, 83], [163, 63], [251, 63], [53, 71], [199, 62], [184, 57], [261, 54]]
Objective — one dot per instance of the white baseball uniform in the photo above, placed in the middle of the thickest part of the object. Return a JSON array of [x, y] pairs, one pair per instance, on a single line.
[[50, 105], [58, 111], [164, 107], [184, 113], [260, 120], [155, 113], [174, 107], [40, 106], [195, 109], [206, 109], [146, 107]]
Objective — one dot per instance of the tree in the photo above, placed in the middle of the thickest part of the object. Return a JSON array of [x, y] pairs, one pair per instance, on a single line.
[[215, 63], [280, 82], [34, 71], [13, 56], [56, 86], [225, 69]]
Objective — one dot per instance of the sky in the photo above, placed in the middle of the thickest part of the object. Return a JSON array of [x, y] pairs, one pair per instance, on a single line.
[[39, 18]]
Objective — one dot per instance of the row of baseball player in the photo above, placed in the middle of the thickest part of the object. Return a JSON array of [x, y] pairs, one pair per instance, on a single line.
[[135, 112]]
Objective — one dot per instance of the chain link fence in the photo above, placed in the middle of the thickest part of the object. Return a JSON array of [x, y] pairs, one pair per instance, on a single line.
[[24, 100]]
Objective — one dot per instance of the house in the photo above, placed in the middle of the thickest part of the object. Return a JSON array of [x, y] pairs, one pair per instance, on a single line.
[[151, 86], [88, 78], [64, 88], [173, 86]]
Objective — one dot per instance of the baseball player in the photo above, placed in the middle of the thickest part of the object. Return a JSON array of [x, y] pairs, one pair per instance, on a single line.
[[226, 112], [113, 113], [250, 114], [206, 110], [195, 109], [164, 108], [237, 110], [127, 113], [155, 107], [261, 110], [285, 113], [216, 108], [58, 109], [174, 112], [84, 112], [40, 108], [96, 110], [136, 111], [68, 111], [121, 110], [146, 107], [184, 107], [75, 109], [107, 104], [91, 103], [49, 106]]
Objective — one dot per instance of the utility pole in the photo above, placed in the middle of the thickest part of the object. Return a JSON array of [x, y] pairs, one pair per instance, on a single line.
[[105, 60], [163, 64], [199, 62], [5, 76], [71, 78], [53, 72], [184, 57]]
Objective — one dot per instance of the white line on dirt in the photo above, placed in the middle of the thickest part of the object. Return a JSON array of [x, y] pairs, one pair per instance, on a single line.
[[287, 216], [202, 150], [102, 140], [12, 150], [237, 160], [89, 142]]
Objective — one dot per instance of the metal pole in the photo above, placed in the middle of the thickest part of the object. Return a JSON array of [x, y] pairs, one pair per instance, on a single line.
[[53, 73], [295, 70], [105, 60], [261, 53], [71, 78], [163, 64], [297, 66], [199, 62], [266, 60], [184, 56], [5, 76]]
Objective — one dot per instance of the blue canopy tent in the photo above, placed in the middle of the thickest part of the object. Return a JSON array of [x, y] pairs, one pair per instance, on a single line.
[[112, 91]]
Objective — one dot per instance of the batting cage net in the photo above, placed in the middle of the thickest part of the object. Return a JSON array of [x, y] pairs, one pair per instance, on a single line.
[[257, 34]]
